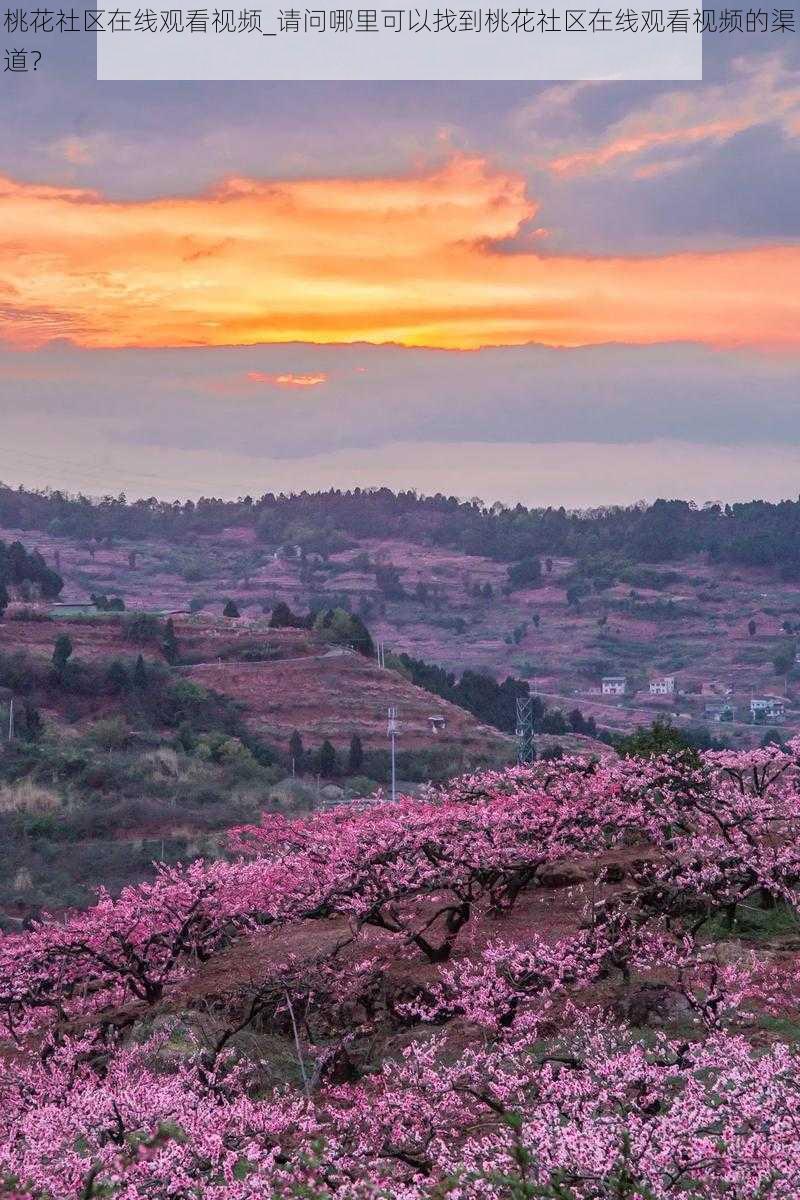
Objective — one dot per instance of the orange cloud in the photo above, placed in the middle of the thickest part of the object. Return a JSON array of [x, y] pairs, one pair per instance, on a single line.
[[288, 380], [651, 139], [413, 260]]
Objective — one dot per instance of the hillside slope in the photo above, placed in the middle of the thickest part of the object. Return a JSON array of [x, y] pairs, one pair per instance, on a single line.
[[337, 693], [720, 630]]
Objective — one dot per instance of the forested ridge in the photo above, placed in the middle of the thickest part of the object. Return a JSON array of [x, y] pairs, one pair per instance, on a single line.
[[757, 533]]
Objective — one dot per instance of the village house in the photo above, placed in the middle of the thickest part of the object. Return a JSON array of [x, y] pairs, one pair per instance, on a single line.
[[663, 687], [614, 685], [438, 722], [719, 710], [767, 708], [287, 551]]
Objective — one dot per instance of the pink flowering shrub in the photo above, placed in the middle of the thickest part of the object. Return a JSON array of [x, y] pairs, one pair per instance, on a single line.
[[359, 1004]]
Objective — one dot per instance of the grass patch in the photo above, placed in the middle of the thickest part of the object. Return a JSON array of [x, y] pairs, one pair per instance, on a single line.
[[753, 924], [781, 1027]]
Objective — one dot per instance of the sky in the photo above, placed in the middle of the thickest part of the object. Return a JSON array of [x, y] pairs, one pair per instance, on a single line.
[[578, 293]]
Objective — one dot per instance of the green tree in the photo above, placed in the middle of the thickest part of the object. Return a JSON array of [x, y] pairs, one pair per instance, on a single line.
[[230, 609], [117, 677], [296, 752], [751, 627], [783, 662], [29, 725], [4, 598], [140, 677], [327, 760], [141, 627], [62, 651], [361, 639], [355, 758], [387, 577], [345, 629], [525, 574], [108, 604], [574, 597], [282, 617], [170, 646], [659, 738]]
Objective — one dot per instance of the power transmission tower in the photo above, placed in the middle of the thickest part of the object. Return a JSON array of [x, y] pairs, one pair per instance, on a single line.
[[391, 730], [526, 750]]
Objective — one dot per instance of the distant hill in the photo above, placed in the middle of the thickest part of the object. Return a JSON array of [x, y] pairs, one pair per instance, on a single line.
[[557, 621], [758, 533]]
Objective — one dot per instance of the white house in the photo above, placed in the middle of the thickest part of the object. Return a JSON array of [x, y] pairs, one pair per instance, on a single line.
[[663, 687], [767, 708], [614, 685]]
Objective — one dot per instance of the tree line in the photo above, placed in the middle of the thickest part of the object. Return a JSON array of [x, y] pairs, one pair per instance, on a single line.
[[757, 533]]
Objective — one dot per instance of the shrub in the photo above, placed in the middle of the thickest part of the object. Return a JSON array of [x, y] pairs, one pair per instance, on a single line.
[[142, 627], [26, 796], [526, 573], [113, 733]]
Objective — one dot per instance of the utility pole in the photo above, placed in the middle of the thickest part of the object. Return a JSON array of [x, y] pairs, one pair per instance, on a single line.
[[391, 729], [11, 720], [526, 750]]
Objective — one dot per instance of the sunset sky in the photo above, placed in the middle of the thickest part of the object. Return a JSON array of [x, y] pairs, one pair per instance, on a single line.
[[577, 292]]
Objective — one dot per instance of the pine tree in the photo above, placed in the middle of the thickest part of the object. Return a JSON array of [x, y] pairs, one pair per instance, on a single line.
[[327, 760], [360, 638], [117, 677], [230, 609], [355, 759], [170, 644], [297, 752], [140, 679]]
